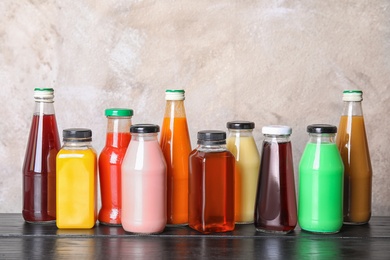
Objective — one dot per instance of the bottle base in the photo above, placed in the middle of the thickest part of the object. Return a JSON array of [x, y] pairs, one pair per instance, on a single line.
[[321, 232], [48, 222], [244, 222], [355, 223], [177, 225], [110, 224], [274, 231]]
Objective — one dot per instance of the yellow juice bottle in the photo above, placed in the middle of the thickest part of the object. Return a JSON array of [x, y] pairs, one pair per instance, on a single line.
[[76, 182]]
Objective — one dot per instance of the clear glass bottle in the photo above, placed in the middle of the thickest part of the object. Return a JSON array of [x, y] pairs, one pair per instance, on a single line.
[[211, 184], [110, 164], [39, 167], [276, 208], [144, 181], [242, 145], [176, 146], [76, 180], [321, 174], [352, 143]]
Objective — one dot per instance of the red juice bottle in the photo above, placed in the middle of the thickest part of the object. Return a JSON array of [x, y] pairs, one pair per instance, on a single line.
[[110, 163], [211, 184], [39, 167], [275, 207]]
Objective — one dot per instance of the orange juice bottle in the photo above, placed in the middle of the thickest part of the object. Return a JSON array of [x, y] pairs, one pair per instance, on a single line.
[[352, 144], [176, 146], [76, 182]]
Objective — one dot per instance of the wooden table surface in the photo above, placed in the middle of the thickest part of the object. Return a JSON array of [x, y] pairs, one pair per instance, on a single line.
[[20, 240]]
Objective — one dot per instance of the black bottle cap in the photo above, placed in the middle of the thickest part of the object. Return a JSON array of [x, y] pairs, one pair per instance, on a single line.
[[321, 129], [144, 128], [240, 125]]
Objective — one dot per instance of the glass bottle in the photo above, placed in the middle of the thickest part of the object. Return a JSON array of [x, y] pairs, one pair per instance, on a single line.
[[110, 163], [211, 184], [144, 182], [275, 208], [320, 196], [39, 167], [352, 143], [76, 180], [242, 145], [176, 146]]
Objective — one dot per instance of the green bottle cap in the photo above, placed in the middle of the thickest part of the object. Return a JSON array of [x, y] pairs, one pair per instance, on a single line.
[[118, 112]]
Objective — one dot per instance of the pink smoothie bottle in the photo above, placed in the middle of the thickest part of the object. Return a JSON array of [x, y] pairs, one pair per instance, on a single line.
[[144, 182]]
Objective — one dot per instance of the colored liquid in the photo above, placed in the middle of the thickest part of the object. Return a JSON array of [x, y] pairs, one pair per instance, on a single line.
[[110, 174], [352, 143], [144, 188], [246, 176], [320, 205], [176, 147], [76, 188], [276, 209], [39, 170], [211, 191]]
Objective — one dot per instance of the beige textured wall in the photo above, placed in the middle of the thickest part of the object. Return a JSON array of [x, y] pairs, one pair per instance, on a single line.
[[272, 62]]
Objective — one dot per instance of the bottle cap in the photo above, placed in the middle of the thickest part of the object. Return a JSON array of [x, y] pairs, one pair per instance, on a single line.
[[352, 95], [211, 137], [144, 128], [174, 94], [118, 112], [321, 129], [77, 135], [44, 94], [276, 130], [240, 125]]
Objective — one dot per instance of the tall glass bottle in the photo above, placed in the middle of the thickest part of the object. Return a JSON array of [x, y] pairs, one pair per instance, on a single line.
[[144, 182], [39, 167], [320, 196], [242, 145], [211, 184], [110, 163], [352, 143], [176, 146], [276, 208]]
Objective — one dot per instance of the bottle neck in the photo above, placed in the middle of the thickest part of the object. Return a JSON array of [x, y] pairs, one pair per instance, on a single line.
[[212, 148], [321, 138], [44, 108], [175, 108], [240, 132], [71, 145], [352, 108], [149, 137], [276, 138]]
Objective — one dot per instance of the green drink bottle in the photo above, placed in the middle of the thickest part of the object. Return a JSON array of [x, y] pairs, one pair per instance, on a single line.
[[321, 170]]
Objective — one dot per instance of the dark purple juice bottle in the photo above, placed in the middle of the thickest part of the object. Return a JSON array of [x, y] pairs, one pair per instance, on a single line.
[[275, 207]]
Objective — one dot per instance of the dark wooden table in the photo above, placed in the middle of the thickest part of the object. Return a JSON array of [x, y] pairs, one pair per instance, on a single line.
[[20, 240]]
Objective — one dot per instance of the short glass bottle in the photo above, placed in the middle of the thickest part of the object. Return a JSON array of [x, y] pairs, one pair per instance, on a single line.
[[353, 146], [242, 145], [110, 164], [276, 208], [321, 170], [144, 180], [39, 167], [76, 180], [211, 184]]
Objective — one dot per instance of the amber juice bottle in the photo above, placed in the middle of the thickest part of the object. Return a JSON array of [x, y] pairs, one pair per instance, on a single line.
[[211, 184], [352, 144]]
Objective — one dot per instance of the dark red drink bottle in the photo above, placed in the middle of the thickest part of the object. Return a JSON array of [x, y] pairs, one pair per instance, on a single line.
[[275, 208], [39, 168]]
